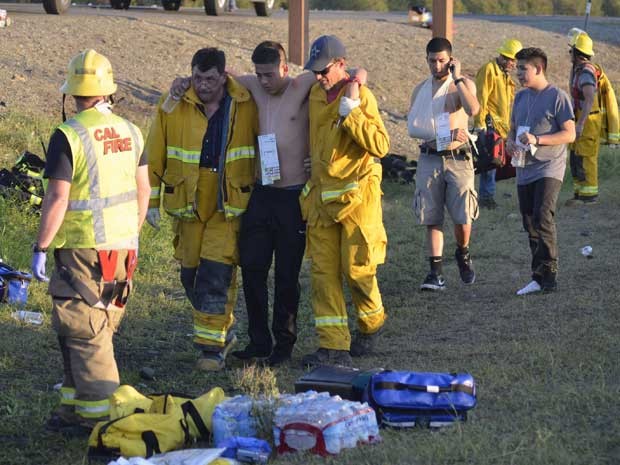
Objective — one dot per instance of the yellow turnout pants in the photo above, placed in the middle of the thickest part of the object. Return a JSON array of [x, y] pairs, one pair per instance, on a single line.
[[353, 248], [584, 159]]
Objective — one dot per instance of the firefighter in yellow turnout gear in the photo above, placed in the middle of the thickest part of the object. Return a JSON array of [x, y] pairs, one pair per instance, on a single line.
[[93, 209], [342, 206], [495, 91], [596, 113], [201, 158]]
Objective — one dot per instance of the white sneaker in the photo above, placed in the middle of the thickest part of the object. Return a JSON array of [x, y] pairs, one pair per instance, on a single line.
[[532, 287]]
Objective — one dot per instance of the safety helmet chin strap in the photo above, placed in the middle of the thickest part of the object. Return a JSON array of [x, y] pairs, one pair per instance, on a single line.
[[64, 115]]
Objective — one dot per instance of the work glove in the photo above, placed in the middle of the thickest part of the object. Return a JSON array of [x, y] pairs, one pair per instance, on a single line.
[[347, 105], [153, 217], [38, 266]]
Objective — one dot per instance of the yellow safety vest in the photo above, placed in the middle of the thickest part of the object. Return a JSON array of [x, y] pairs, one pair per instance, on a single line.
[[103, 208]]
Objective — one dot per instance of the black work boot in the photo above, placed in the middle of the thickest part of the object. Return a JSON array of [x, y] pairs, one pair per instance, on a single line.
[[251, 352], [466, 265], [365, 344], [327, 357]]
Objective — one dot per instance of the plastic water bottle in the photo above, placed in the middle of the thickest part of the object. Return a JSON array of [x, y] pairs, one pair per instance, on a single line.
[[33, 318], [170, 103]]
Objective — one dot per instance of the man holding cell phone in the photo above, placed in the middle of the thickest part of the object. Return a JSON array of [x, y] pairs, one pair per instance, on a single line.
[[439, 114]]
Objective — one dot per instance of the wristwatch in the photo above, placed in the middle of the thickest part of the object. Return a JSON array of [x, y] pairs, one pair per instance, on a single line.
[[457, 81], [37, 249]]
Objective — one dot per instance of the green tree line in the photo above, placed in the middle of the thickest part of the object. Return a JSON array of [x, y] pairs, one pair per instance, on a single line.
[[498, 7]]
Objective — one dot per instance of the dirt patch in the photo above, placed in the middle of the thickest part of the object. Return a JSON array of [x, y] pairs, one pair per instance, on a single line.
[[149, 50]]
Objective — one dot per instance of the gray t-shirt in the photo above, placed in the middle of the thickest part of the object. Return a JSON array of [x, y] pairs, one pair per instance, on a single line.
[[544, 112]]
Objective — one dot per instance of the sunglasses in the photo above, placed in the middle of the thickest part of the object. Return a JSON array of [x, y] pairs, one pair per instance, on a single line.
[[325, 70]]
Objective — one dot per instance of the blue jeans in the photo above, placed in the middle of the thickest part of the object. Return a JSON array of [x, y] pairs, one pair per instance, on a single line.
[[487, 185]]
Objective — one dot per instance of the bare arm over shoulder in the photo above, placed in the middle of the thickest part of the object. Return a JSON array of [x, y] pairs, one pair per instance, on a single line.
[[249, 81]]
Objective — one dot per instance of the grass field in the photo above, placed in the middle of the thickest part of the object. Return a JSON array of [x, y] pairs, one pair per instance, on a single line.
[[547, 366]]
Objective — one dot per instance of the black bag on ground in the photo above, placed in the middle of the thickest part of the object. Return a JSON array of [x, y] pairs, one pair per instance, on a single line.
[[348, 383], [25, 180]]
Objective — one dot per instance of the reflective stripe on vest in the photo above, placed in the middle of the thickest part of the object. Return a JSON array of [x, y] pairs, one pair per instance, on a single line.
[[325, 321]]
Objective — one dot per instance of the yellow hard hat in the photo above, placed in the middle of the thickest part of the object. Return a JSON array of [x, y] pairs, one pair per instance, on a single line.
[[510, 48], [584, 44], [89, 75], [572, 35]]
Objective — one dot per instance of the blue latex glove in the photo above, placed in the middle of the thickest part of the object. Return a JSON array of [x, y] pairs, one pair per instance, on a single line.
[[38, 266], [232, 444]]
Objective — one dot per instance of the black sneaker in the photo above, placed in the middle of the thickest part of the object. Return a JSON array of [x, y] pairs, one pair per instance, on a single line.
[[465, 263], [327, 357], [250, 352], [433, 282], [365, 344]]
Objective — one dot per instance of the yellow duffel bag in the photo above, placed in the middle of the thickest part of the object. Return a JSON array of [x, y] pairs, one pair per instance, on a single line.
[[141, 426]]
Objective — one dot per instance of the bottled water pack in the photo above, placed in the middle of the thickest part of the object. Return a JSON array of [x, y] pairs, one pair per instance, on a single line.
[[323, 424]]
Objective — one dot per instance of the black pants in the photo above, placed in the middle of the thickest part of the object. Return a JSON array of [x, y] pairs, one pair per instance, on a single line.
[[537, 202], [272, 224]]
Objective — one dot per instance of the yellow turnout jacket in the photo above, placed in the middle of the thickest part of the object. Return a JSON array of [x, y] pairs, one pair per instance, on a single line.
[[496, 93]]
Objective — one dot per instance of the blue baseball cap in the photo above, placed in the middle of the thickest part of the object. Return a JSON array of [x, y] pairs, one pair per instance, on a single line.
[[323, 51]]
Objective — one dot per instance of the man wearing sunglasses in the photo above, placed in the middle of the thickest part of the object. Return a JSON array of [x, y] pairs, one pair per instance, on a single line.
[[342, 206]]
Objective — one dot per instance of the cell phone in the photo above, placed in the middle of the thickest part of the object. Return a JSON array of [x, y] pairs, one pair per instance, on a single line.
[[451, 66]]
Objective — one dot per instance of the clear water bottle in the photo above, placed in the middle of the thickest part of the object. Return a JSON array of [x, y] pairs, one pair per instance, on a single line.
[[32, 318], [170, 103], [334, 434]]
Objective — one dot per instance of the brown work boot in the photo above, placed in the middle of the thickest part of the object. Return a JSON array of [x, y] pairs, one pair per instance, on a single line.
[[214, 359]]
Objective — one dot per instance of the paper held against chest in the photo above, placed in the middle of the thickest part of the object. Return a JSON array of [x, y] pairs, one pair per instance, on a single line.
[[442, 129], [530, 147], [269, 163]]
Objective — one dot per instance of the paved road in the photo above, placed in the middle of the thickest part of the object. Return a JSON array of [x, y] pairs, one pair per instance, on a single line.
[[138, 11]]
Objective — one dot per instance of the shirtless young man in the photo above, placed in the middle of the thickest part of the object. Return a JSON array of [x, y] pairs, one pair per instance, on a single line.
[[272, 223], [439, 113]]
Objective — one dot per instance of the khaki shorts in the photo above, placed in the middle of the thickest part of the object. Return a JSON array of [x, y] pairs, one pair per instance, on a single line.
[[445, 181]]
